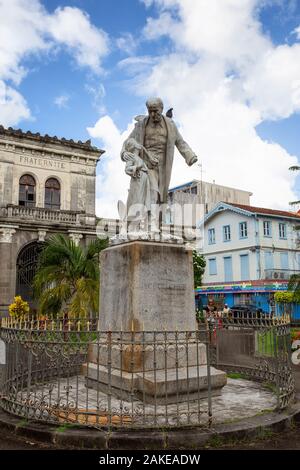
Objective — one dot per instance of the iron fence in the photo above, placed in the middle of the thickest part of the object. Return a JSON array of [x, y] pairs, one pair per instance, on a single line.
[[69, 372], [257, 347]]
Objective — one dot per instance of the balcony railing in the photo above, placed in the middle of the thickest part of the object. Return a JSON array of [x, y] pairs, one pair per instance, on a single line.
[[41, 214], [280, 274]]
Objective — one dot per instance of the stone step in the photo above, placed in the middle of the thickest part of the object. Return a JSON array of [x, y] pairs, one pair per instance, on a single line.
[[160, 386]]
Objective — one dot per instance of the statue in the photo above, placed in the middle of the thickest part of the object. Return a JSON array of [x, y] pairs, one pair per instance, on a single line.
[[156, 135], [139, 197]]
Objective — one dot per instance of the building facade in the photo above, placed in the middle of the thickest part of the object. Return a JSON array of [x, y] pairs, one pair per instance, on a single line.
[[250, 253], [47, 186], [204, 194]]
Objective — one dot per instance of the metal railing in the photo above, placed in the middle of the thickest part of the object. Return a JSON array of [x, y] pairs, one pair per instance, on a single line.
[[67, 371], [41, 214], [257, 347]]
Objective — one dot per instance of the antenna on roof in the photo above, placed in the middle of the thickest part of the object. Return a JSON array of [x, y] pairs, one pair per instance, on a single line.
[[201, 178]]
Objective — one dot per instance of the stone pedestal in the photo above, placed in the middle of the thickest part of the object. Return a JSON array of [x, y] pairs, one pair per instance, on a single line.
[[147, 292], [164, 372], [147, 286]]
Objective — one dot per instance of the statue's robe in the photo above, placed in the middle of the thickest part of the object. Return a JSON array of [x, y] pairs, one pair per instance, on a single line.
[[173, 139]]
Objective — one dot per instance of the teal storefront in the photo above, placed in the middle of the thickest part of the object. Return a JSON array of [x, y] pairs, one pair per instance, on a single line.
[[258, 293]]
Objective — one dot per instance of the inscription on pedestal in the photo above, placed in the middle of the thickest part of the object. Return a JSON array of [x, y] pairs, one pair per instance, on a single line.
[[147, 286]]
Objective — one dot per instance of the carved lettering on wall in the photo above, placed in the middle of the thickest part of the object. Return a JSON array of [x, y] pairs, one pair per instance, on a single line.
[[42, 162]]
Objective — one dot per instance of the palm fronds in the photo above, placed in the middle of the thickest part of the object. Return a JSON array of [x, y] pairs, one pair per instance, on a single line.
[[67, 277]]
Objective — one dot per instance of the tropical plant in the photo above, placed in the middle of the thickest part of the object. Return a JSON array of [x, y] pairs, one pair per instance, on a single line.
[[199, 264], [294, 286], [19, 308], [284, 297], [67, 278]]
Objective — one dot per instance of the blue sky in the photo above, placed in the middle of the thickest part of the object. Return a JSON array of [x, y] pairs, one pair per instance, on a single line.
[[59, 75], [229, 69]]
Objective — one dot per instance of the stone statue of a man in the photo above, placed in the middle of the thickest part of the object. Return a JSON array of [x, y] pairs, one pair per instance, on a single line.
[[159, 135]]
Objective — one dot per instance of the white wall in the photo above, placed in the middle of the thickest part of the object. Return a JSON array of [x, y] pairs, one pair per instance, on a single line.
[[238, 246]]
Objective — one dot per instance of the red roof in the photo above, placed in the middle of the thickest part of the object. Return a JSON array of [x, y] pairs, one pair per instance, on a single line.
[[262, 210]]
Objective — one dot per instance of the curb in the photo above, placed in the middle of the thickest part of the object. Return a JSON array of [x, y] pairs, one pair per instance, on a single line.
[[181, 439]]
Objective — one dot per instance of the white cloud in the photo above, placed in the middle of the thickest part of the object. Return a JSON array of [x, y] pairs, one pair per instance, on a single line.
[[12, 105], [98, 93], [223, 78], [72, 28], [21, 34], [297, 32], [127, 43], [137, 65], [112, 182], [62, 101], [272, 83], [27, 29]]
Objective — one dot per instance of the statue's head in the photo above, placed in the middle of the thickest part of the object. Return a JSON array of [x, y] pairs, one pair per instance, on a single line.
[[155, 108]]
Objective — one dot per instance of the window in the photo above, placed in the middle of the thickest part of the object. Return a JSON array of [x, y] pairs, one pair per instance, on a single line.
[[212, 266], [211, 236], [244, 260], [267, 228], [226, 233], [27, 191], [243, 230], [284, 260], [269, 264], [282, 230], [52, 194], [228, 274]]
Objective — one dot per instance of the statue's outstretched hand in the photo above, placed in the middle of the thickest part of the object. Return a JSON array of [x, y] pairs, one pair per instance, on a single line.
[[193, 160]]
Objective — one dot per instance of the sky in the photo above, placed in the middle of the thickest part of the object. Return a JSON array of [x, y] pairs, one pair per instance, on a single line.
[[82, 69]]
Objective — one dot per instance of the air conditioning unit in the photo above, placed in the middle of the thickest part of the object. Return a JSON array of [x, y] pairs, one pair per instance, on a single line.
[[276, 275], [279, 275]]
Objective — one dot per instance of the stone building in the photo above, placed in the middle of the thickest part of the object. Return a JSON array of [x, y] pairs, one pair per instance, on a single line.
[[47, 186], [203, 194]]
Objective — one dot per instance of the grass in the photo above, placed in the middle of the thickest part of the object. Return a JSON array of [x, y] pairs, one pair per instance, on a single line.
[[265, 343], [265, 433], [66, 426], [269, 386], [215, 442], [22, 423], [237, 375], [295, 333], [265, 411]]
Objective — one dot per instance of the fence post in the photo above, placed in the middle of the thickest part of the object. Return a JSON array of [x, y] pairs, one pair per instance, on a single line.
[[274, 330]]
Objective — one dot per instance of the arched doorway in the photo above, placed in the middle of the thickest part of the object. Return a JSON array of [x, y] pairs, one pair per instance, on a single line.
[[26, 268]]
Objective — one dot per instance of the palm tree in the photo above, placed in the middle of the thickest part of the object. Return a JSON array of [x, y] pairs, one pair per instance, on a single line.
[[67, 277]]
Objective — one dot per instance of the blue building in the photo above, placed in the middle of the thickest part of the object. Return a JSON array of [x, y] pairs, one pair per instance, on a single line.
[[250, 252]]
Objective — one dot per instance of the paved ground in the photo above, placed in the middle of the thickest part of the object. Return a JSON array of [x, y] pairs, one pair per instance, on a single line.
[[289, 440], [11, 442], [239, 399]]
